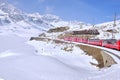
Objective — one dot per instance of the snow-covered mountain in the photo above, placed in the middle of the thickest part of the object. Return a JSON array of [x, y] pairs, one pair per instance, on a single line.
[[12, 19], [10, 15], [15, 20], [73, 25], [108, 30], [21, 59]]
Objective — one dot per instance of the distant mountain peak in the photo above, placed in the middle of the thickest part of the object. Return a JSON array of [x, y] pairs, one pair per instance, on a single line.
[[9, 14], [51, 18]]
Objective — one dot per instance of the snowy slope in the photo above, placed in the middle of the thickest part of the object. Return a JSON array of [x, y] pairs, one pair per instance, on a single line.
[[11, 16], [21, 59], [74, 25], [104, 29], [35, 60]]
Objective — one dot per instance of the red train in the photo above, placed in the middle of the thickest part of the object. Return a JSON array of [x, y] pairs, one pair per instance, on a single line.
[[109, 43]]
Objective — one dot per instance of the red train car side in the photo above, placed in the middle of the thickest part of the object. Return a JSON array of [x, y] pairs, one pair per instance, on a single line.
[[111, 43], [118, 45], [97, 42], [81, 40], [108, 43]]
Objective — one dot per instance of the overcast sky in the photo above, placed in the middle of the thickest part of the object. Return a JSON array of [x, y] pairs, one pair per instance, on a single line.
[[89, 11]]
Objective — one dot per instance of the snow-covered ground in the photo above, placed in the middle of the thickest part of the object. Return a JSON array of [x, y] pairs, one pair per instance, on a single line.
[[21, 59]]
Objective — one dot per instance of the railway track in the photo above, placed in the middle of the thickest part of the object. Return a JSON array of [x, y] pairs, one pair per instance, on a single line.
[[110, 51], [113, 53]]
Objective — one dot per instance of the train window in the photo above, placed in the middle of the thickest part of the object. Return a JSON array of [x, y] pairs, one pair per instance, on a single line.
[[94, 40], [110, 41]]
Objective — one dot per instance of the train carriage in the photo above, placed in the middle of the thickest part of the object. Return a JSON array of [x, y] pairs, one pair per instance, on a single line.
[[108, 43], [111, 43], [97, 42], [118, 45]]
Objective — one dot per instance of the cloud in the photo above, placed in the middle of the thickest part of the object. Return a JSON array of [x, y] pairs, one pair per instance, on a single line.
[[49, 9]]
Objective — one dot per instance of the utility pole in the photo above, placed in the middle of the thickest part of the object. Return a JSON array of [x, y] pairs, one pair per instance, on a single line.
[[114, 25]]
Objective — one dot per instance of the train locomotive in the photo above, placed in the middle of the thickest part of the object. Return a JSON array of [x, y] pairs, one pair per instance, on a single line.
[[108, 43]]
